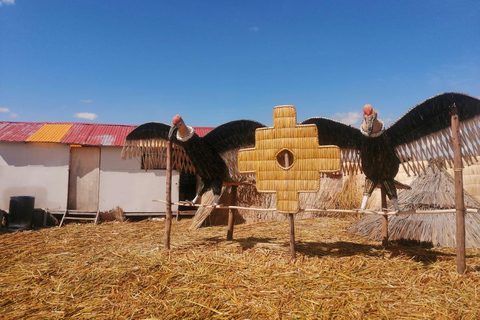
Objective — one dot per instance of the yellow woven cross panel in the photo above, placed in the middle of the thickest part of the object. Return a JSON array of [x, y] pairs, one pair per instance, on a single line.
[[287, 159]]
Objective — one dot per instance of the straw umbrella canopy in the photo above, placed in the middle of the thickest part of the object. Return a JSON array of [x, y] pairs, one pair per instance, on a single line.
[[432, 190]]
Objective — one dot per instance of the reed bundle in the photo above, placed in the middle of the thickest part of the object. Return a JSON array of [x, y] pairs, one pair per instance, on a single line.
[[349, 197], [116, 214], [120, 271]]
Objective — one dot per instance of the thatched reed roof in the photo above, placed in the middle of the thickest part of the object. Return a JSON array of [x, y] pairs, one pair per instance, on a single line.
[[432, 190]]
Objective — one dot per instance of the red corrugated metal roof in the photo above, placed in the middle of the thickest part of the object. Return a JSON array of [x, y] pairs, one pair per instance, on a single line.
[[108, 135], [201, 131], [80, 133], [3, 125], [77, 134], [97, 134], [18, 131]]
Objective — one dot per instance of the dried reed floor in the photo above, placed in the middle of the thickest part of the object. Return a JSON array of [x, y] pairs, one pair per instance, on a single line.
[[120, 271]]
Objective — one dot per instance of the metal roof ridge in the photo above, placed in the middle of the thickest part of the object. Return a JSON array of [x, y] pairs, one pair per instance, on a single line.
[[86, 123], [69, 122]]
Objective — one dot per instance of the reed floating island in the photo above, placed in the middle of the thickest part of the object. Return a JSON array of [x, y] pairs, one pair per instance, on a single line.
[[120, 270]]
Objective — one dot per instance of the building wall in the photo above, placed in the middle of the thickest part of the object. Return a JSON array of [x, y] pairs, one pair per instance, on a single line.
[[34, 169], [41, 170], [123, 183]]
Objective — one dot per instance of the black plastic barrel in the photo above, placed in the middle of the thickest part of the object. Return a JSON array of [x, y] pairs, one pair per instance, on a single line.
[[20, 215]]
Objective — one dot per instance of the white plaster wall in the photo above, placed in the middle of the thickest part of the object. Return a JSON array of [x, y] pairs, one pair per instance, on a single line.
[[34, 169], [123, 183]]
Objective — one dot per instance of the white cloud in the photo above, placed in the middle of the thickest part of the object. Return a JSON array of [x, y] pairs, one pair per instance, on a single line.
[[13, 115], [86, 115], [253, 29], [6, 2], [86, 101], [348, 118], [4, 109]]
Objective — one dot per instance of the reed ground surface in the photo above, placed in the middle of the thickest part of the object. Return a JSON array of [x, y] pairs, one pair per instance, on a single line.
[[121, 271]]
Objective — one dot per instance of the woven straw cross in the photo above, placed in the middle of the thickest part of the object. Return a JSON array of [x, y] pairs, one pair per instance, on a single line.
[[287, 159]]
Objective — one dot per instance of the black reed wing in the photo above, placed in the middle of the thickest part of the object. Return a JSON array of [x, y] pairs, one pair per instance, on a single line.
[[332, 132], [233, 135], [149, 130], [423, 132], [230, 137], [348, 138]]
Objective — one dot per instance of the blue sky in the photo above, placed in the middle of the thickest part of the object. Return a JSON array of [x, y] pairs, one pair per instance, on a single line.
[[130, 62]]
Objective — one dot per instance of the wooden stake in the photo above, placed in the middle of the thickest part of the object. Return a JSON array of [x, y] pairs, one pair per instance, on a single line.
[[459, 201], [168, 214], [231, 215], [292, 235], [291, 218], [384, 218]]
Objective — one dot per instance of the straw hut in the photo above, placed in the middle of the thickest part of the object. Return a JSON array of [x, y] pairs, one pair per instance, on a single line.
[[432, 190]]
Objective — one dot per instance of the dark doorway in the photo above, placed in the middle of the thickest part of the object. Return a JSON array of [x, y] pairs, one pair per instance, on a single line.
[[187, 189]]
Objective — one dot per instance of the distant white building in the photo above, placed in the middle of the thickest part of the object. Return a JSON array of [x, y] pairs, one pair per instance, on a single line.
[[77, 166]]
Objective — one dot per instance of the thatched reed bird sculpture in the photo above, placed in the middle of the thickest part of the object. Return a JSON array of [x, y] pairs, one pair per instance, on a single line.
[[422, 133], [212, 157]]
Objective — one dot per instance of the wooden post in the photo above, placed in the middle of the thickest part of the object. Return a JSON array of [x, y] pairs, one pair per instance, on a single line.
[[459, 200], [292, 235], [291, 218], [231, 214], [168, 213], [384, 218]]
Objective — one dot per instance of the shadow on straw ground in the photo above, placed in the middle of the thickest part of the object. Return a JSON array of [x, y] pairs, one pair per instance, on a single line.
[[419, 253], [346, 249], [245, 243]]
